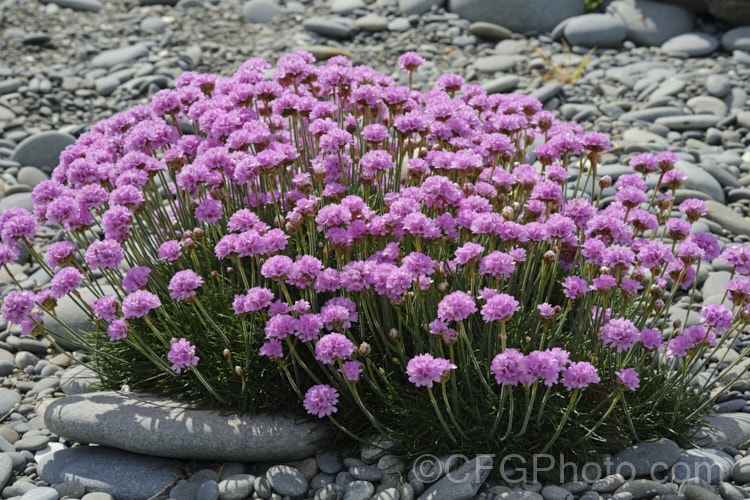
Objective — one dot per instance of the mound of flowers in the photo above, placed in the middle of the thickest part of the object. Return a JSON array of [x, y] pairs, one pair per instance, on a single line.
[[436, 267]]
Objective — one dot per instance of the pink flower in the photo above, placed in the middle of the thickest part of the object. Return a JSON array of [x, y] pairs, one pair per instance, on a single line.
[[424, 370], [183, 284], [60, 253], [170, 251], [320, 400], [106, 307], [509, 367], [352, 370], [277, 267], [628, 379], [499, 308], [579, 375], [332, 347], [456, 306], [118, 330], [136, 278], [139, 303], [272, 349], [65, 281], [410, 61], [106, 254], [182, 355], [209, 211]]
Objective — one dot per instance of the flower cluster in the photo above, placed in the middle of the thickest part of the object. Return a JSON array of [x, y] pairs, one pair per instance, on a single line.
[[366, 233]]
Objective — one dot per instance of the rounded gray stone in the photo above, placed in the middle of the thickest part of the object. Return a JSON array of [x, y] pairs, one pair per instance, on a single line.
[[652, 23], [710, 465], [490, 31], [727, 218], [646, 458], [8, 400], [82, 5], [209, 490], [31, 176], [330, 492], [372, 23], [286, 480], [43, 493], [553, 492], [735, 12], [33, 443], [236, 487], [707, 105], [328, 462], [42, 150], [112, 57], [72, 489], [736, 39], [330, 26], [160, 427], [689, 122], [418, 7], [695, 492], [596, 30], [500, 62], [78, 379], [359, 490], [97, 495], [106, 85], [463, 482], [693, 44], [124, 475], [502, 84], [527, 15], [261, 11], [6, 469]]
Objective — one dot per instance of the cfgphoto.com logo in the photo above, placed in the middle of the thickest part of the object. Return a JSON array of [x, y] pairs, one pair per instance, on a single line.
[[516, 469]]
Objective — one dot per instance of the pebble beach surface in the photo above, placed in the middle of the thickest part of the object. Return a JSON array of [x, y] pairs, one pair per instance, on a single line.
[[662, 78]]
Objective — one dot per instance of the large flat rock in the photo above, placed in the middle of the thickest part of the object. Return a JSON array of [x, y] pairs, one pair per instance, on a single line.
[[163, 428], [126, 476], [723, 429]]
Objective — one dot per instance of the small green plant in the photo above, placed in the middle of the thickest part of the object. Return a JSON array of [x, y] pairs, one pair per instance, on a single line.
[[565, 74]]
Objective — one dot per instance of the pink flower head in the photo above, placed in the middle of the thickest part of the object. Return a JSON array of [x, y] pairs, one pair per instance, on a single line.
[[717, 316], [693, 209], [498, 264], [644, 163], [105, 254], [679, 346], [332, 347], [620, 334], [277, 267], [65, 281], [257, 298], [106, 307], [579, 375], [509, 367], [272, 349], [469, 254], [543, 365], [574, 287], [280, 326], [628, 379], [320, 400], [699, 334], [170, 251], [118, 330], [136, 278], [424, 370], [410, 61], [650, 339], [352, 370], [139, 303], [182, 355], [500, 308], [183, 284], [17, 305], [456, 306], [209, 211], [17, 224], [60, 253]]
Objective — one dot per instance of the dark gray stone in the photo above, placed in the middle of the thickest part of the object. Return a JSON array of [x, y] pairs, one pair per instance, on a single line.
[[596, 30], [83, 5], [490, 31], [461, 483], [236, 487], [33, 443], [209, 490], [645, 459], [261, 11], [710, 465], [124, 475], [727, 218], [736, 39], [692, 44], [72, 489], [109, 58], [8, 400], [286, 480], [418, 7], [330, 26], [42, 150], [159, 427], [527, 15], [652, 23]]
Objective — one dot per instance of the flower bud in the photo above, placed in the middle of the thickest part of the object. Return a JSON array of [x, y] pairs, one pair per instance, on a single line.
[[656, 290], [605, 182], [442, 287], [365, 350], [549, 257], [508, 213], [468, 188], [744, 315], [214, 273], [230, 270], [188, 234], [198, 234], [527, 340], [226, 353], [188, 245], [605, 270], [677, 323], [393, 334], [658, 305], [239, 371]]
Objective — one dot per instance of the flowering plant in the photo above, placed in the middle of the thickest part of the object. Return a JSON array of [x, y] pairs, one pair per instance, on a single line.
[[438, 267]]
